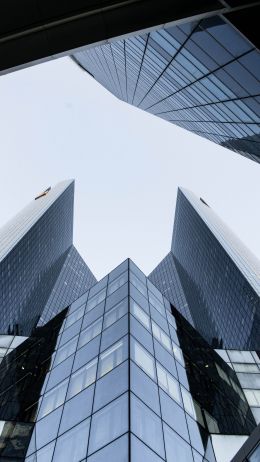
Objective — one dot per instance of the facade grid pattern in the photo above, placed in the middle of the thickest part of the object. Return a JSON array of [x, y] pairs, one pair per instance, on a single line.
[[118, 382], [202, 76]]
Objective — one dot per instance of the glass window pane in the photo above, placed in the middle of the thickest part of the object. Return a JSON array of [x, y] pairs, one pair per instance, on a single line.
[[75, 316], [111, 386], [114, 333], [87, 353], [140, 314], [146, 425], [109, 423], [53, 399], [77, 409], [47, 428], [45, 454], [90, 332], [144, 388], [253, 397], [246, 367], [113, 452], [174, 415], [178, 353], [72, 445], [188, 402], [82, 378], [112, 357], [160, 335], [176, 448], [141, 453], [168, 383], [138, 284], [142, 358], [117, 283], [115, 313], [65, 351], [94, 301]]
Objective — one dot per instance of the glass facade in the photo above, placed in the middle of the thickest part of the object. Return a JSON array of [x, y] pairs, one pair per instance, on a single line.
[[120, 375], [217, 274], [202, 75], [40, 269], [246, 364]]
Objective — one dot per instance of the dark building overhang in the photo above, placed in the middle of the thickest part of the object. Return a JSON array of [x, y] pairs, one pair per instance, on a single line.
[[34, 31]]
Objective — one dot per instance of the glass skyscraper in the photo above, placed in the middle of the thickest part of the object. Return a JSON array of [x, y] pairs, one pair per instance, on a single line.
[[202, 75], [112, 370], [40, 269], [120, 376], [217, 273]]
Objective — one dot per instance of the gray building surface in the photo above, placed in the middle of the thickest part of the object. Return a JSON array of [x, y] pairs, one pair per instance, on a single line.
[[217, 273], [41, 272]]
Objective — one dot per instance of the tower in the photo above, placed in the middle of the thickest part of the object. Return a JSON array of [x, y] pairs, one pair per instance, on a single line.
[[39, 265], [217, 273]]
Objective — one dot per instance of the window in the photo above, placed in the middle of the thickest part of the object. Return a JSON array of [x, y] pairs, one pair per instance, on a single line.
[[142, 358], [82, 378], [112, 357], [117, 283], [77, 409], [240, 356], [146, 425], [45, 454], [72, 445], [90, 332], [145, 388], [94, 301], [174, 415], [246, 367], [113, 452], [53, 399], [138, 284], [109, 423], [115, 313], [176, 448], [141, 453], [65, 351], [188, 402], [140, 314], [75, 316], [155, 302], [168, 383], [177, 353], [253, 397], [171, 320], [160, 335]]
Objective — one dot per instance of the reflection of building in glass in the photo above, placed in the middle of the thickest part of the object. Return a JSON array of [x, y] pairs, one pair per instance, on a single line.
[[217, 274], [129, 379], [39, 266], [201, 75]]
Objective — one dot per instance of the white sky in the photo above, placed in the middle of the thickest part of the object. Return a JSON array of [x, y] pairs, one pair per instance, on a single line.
[[58, 123]]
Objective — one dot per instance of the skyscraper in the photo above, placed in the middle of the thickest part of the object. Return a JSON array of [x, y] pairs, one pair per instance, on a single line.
[[120, 376], [41, 271], [112, 370], [202, 75], [217, 273]]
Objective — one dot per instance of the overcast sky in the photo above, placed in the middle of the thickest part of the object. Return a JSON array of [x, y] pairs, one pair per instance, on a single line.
[[58, 123]]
